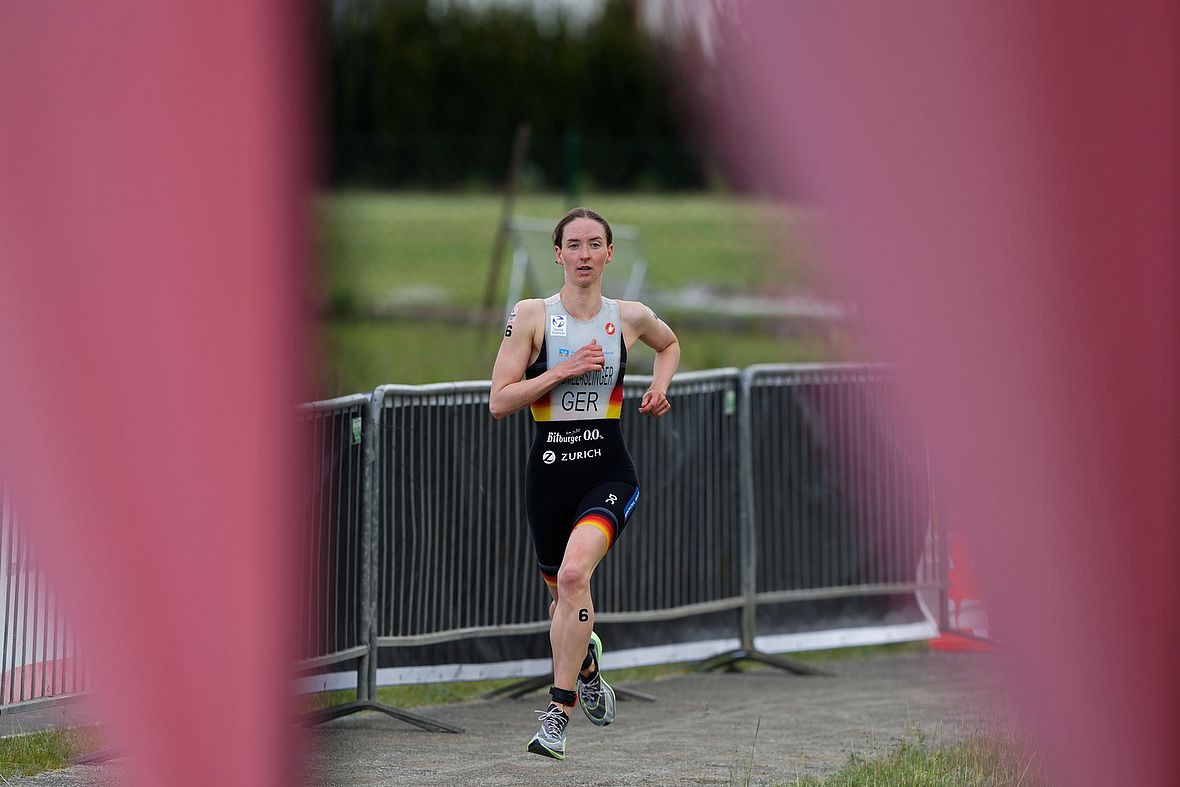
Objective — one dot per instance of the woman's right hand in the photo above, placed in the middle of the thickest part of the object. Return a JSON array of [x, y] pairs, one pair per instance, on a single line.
[[588, 358]]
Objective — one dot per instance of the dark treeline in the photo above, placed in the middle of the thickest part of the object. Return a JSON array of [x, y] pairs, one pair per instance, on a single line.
[[423, 95]]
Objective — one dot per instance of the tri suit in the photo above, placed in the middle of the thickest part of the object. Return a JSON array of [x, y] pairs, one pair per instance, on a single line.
[[579, 472]]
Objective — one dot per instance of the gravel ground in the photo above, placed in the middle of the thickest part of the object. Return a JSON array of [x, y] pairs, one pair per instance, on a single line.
[[759, 727]]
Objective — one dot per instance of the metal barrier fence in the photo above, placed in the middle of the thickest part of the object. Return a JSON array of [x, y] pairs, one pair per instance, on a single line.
[[761, 489], [449, 522], [333, 533], [456, 557], [836, 498], [39, 660], [841, 493], [827, 498]]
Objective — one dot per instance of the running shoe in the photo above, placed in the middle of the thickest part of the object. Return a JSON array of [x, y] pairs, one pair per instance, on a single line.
[[550, 739], [595, 695]]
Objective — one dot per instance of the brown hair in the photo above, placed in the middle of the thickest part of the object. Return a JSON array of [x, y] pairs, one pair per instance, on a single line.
[[580, 213]]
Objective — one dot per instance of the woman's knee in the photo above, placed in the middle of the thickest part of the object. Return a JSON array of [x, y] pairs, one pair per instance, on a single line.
[[573, 578]]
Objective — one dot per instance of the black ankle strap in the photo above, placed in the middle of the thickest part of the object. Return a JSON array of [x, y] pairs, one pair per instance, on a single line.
[[564, 697]]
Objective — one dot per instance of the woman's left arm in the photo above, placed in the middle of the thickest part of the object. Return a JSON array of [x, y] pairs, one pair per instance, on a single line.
[[655, 333]]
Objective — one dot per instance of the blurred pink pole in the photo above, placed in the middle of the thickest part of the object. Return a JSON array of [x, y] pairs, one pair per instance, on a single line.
[[152, 181], [1003, 187]]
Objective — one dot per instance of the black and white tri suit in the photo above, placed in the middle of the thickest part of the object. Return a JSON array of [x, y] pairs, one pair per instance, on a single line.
[[579, 472]]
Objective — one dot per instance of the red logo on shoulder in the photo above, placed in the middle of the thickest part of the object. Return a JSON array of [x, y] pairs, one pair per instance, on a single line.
[[610, 329]]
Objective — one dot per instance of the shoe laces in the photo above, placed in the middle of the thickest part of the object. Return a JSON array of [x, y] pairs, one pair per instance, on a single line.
[[591, 688], [553, 721]]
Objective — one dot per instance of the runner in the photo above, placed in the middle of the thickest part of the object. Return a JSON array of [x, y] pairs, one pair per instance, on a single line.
[[580, 485]]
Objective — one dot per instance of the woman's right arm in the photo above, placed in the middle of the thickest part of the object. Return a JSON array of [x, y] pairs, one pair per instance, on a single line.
[[511, 393]]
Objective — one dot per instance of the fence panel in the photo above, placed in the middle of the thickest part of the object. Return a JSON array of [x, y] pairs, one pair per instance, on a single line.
[[332, 625], [452, 543], [39, 658], [841, 486], [456, 556]]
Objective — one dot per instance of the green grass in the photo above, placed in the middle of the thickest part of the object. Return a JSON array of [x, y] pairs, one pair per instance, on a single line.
[[985, 758], [380, 251], [25, 755], [374, 245]]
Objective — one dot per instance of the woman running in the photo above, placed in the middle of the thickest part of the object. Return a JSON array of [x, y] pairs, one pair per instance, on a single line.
[[564, 357]]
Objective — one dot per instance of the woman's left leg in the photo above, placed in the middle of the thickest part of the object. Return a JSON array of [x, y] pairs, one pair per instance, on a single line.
[[573, 612]]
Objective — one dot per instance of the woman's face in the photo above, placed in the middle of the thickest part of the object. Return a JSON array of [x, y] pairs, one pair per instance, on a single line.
[[584, 252]]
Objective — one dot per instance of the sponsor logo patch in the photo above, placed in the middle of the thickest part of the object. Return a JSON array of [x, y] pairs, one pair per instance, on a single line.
[[549, 457], [610, 329], [563, 352], [574, 436], [557, 325], [573, 456]]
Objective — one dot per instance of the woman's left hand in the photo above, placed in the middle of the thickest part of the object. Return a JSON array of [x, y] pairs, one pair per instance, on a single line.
[[654, 404]]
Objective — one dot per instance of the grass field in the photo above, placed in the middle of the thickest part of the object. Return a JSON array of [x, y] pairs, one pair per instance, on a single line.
[[25, 755], [377, 244], [987, 758], [426, 257]]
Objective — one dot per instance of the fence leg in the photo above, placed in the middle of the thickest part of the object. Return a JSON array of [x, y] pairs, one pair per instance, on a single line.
[[749, 547], [631, 694], [730, 659], [515, 691], [428, 724]]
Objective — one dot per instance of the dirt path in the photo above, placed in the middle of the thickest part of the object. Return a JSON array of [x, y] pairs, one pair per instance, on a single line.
[[701, 730]]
